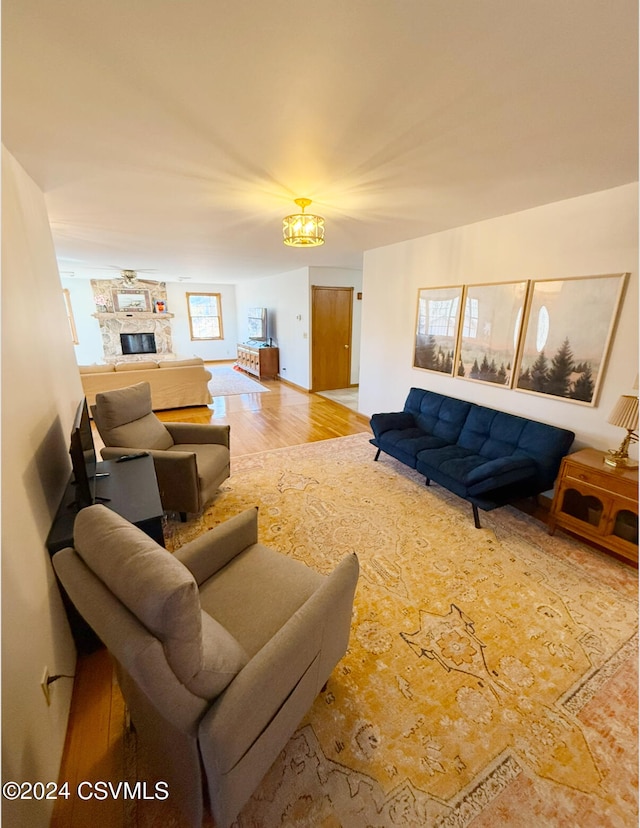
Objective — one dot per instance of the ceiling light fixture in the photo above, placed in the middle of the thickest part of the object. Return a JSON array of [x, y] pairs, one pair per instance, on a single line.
[[303, 229]]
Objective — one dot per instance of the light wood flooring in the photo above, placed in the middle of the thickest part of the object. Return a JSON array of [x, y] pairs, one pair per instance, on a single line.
[[94, 747]]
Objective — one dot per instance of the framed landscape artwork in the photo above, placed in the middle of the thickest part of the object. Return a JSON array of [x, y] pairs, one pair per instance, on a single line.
[[491, 323], [125, 301], [437, 323], [568, 331]]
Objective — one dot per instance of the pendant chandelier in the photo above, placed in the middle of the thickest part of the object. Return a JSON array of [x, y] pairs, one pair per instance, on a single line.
[[303, 229]]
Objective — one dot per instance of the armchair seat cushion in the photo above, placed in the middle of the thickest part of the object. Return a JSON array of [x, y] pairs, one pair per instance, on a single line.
[[268, 586]]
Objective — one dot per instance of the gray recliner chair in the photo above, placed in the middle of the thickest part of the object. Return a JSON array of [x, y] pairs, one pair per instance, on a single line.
[[220, 649], [191, 459]]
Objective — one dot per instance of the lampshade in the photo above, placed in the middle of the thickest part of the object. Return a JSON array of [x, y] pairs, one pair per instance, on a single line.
[[303, 229], [625, 413]]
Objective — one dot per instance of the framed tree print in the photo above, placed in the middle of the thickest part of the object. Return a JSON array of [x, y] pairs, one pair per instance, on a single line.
[[437, 322], [491, 323], [568, 331]]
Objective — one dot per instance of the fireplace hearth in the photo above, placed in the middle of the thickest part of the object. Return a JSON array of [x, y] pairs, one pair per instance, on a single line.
[[138, 343]]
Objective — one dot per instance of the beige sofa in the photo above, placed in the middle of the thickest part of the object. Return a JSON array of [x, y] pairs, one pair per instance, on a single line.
[[174, 383]]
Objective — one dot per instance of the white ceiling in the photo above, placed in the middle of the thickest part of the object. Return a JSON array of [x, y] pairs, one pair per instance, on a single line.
[[174, 136]]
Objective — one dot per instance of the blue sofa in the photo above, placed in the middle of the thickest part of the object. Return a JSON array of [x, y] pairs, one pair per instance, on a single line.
[[488, 457]]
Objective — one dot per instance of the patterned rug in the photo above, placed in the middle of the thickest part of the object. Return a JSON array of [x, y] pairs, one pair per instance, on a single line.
[[226, 381], [491, 677]]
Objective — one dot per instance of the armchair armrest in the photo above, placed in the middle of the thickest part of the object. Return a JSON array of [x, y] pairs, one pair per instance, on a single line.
[[386, 422], [208, 553], [198, 433]]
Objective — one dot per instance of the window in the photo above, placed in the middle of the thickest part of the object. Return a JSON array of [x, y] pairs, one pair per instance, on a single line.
[[205, 315], [70, 319]]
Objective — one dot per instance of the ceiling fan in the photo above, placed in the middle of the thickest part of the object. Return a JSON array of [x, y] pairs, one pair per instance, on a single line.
[[130, 277]]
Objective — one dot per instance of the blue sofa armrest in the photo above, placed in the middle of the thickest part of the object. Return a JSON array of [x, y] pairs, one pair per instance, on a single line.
[[393, 421], [503, 471]]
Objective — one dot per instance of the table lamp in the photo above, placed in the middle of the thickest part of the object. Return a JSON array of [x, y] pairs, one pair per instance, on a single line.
[[624, 415]]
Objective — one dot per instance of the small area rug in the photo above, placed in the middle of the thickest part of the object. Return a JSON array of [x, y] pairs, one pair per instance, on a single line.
[[226, 381], [491, 677]]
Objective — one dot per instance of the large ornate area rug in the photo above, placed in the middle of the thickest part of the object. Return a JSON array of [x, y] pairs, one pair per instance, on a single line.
[[226, 381], [491, 677]]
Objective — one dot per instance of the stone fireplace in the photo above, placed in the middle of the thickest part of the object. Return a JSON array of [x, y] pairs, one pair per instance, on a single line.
[[133, 335]]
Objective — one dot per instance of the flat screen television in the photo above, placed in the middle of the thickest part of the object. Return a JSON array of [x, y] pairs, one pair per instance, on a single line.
[[83, 457], [257, 318]]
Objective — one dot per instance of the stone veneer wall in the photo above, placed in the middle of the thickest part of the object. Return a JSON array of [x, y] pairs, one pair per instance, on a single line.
[[112, 325]]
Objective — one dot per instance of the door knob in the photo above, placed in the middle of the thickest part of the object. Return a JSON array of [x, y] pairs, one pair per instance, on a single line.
[[346, 346]]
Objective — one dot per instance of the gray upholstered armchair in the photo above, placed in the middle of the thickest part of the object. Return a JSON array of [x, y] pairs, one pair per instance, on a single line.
[[219, 649], [191, 459]]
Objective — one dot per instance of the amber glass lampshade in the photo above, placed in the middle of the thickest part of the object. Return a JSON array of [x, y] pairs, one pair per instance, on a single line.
[[303, 229]]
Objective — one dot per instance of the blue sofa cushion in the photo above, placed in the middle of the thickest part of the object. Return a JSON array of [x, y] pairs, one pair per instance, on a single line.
[[491, 433], [405, 444], [436, 414]]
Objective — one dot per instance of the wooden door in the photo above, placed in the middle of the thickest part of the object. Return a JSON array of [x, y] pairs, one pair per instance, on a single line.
[[331, 313]]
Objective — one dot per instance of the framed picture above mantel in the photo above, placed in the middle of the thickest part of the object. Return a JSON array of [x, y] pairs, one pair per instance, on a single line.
[[131, 300]]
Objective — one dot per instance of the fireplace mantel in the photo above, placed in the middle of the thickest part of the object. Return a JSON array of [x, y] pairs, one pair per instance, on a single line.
[[133, 315]]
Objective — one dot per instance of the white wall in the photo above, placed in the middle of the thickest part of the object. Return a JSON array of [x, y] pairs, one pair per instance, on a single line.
[[40, 391], [590, 235], [286, 297], [89, 348]]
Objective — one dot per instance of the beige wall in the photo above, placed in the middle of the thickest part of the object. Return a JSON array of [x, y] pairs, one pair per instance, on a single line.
[[40, 390], [590, 235]]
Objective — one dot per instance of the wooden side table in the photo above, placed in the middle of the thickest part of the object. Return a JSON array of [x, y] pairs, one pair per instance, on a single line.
[[597, 502], [258, 360]]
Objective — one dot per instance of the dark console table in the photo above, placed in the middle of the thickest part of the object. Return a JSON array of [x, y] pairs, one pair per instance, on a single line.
[[131, 490]]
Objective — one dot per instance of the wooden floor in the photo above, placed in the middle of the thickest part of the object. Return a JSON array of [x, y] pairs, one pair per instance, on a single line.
[[94, 748]]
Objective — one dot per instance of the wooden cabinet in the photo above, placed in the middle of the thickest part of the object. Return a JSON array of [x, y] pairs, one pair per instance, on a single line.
[[261, 362], [597, 502]]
